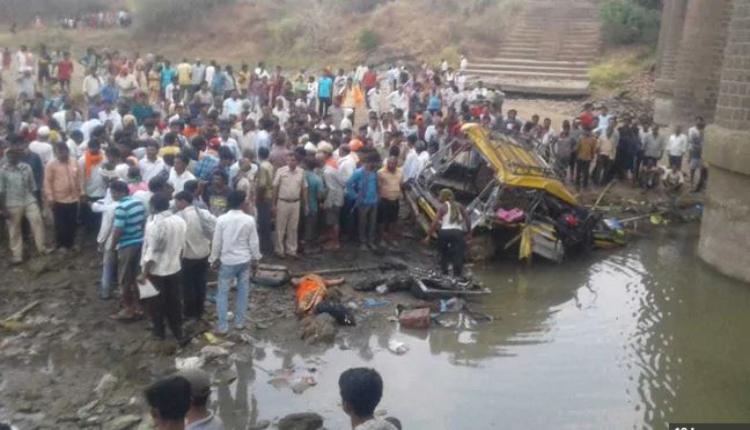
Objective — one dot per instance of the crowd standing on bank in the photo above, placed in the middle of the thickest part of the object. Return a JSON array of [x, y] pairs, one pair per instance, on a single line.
[[180, 168]]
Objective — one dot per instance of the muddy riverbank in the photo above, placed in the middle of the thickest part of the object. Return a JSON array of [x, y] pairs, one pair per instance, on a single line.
[[626, 336]]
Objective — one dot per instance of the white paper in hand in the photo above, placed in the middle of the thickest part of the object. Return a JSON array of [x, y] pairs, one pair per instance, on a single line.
[[147, 290]]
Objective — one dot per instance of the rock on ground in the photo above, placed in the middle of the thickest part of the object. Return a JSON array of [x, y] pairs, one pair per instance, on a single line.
[[123, 423], [260, 425], [319, 329], [301, 421]]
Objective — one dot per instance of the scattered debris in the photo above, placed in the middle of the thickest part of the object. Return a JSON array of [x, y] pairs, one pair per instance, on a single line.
[[13, 322], [415, 319], [454, 304], [301, 385], [369, 303], [189, 363], [398, 348], [106, 385]]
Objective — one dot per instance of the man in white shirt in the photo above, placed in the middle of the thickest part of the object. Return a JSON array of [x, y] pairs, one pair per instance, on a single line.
[[677, 147], [227, 141], [111, 115], [178, 174], [411, 162], [374, 100], [22, 60], [233, 104], [261, 71], [210, 72], [201, 225], [151, 165], [399, 100], [461, 81], [163, 243], [92, 86], [64, 117], [234, 250], [89, 126], [393, 75], [197, 72], [347, 163], [604, 118], [464, 63], [41, 145], [75, 139], [126, 83], [423, 157], [479, 92], [104, 239]]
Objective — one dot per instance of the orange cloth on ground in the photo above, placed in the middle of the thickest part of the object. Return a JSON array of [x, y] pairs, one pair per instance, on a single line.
[[310, 292]]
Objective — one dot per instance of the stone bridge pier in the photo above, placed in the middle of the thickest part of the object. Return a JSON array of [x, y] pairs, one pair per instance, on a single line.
[[725, 228], [704, 69]]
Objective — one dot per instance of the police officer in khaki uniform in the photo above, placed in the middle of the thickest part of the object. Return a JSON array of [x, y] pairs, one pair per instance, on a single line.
[[289, 192]]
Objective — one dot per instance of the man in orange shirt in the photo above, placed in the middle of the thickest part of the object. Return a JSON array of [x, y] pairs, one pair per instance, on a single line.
[[62, 190]]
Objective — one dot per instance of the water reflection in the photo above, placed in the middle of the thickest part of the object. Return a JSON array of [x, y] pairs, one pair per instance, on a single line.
[[635, 338]]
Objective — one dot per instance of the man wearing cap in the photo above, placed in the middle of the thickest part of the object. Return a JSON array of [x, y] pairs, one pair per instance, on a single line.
[[41, 145], [199, 417]]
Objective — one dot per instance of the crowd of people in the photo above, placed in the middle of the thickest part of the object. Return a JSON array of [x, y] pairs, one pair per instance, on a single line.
[[182, 168], [600, 148]]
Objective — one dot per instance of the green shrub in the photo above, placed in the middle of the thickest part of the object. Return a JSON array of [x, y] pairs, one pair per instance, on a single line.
[[629, 21], [368, 40], [613, 72]]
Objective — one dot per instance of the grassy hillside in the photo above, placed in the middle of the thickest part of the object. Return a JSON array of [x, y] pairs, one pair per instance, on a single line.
[[298, 32]]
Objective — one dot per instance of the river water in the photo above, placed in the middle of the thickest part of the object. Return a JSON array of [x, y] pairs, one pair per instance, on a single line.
[[628, 339]]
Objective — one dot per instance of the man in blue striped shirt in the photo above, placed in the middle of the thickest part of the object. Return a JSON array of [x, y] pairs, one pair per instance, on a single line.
[[127, 237]]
